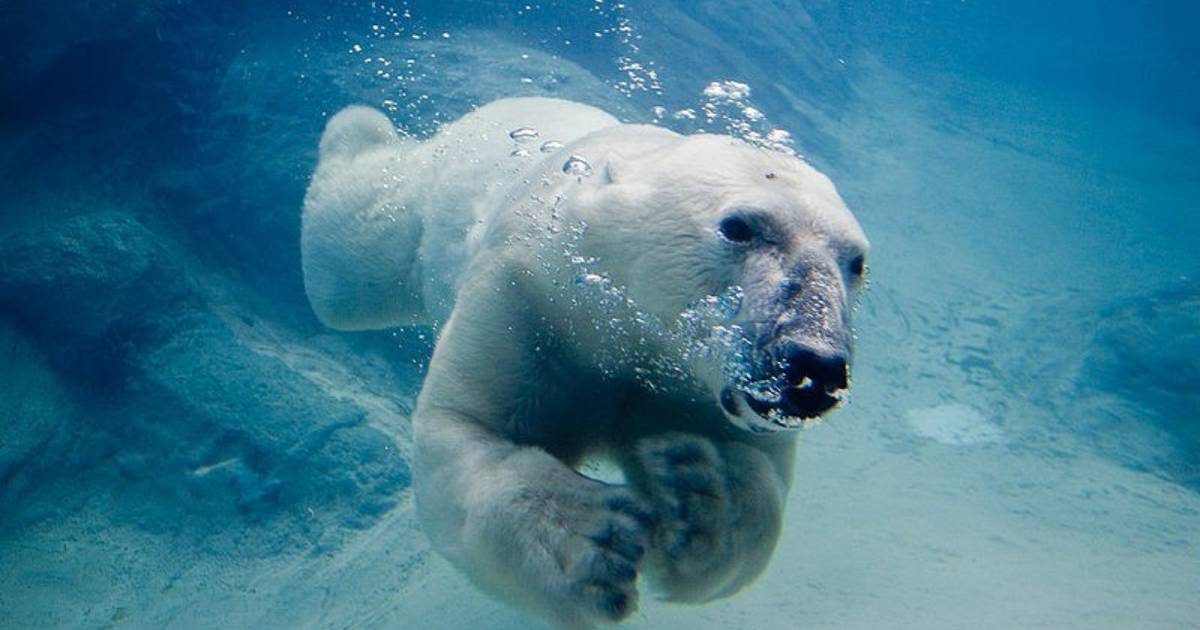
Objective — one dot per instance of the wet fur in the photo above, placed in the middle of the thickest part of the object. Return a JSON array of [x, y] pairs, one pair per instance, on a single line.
[[514, 398]]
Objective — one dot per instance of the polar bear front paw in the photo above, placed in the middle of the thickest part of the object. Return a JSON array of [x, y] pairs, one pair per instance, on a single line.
[[576, 551], [601, 557], [685, 480]]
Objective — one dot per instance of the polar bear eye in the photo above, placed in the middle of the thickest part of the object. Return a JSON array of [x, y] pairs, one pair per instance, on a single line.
[[858, 265], [736, 229]]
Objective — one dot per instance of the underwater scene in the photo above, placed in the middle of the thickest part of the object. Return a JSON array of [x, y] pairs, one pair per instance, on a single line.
[[489, 314]]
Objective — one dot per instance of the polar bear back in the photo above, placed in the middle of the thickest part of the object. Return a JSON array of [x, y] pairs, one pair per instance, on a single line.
[[388, 221]]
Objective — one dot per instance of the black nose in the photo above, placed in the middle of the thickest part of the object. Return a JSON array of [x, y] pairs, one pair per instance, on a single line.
[[828, 372]]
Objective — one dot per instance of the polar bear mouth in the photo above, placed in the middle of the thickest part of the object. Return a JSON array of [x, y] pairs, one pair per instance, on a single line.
[[792, 407], [806, 386]]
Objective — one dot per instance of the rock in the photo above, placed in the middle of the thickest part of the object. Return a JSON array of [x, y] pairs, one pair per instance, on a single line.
[[219, 405], [1144, 352], [89, 275], [37, 411], [199, 398]]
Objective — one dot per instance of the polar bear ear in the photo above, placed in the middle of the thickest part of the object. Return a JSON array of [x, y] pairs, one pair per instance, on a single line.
[[614, 168]]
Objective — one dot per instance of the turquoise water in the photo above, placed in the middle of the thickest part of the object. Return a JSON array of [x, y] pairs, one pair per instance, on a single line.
[[183, 445]]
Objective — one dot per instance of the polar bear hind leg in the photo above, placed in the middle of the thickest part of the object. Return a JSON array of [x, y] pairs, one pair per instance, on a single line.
[[359, 240]]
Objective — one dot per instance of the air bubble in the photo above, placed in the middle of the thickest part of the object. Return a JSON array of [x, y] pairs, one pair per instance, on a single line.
[[577, 166], [523, 134], [732, 90], [591, 280], [550, 146], [779, 136]]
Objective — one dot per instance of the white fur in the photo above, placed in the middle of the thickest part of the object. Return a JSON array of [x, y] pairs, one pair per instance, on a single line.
[[529, 375]]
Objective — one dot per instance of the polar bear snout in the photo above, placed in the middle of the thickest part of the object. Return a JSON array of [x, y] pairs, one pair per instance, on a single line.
[[802, 382], [810, 383]]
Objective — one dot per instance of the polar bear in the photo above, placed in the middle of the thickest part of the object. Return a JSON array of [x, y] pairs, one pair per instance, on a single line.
[[674, 304]]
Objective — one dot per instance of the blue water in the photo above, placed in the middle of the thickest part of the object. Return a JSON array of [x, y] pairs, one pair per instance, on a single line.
[[183, 445]]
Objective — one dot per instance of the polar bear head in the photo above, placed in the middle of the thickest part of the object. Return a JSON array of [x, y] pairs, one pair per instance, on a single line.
[[700, 215]]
